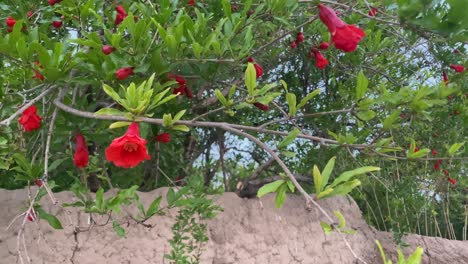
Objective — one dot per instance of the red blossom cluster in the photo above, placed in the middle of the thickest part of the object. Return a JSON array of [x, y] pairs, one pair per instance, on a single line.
[[182, 89], [29, 119], [299, 39], [121, 15]]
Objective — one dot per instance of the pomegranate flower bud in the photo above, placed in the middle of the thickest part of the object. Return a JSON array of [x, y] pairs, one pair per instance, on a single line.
[[57, 24], [121, 10], [324, 45], [123, 73], [262, 107], [445, 77], [320, 61], [451, 180], [293, 44], [457, 68], [299, 37], [163, 138], [373, 11], [107, 49]]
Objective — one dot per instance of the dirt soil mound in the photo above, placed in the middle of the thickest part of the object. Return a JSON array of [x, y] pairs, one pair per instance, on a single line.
[[247, 231]]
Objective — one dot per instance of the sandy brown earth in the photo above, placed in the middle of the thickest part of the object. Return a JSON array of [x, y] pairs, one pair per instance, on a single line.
[[248, 231]]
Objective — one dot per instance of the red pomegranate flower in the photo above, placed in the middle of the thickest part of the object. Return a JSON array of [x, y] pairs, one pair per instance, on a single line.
[[191, 2], [30, 14], [163, 138], [128, 150], [32, 215], [107, 49], [457, 68], [123, 73], [345, 37], [29, 119], [446, 172], [434, 152], [262, 107], [81, 156], [320, 61], [57, 24], [258, 68]]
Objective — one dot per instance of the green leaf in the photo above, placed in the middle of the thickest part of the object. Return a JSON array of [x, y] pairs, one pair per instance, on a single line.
[[171, 197], [365, 115], [415, 258], [119, 124], [344, 188], [113, 94], [326, 228], [291, 99], [221, 97], [324, 193], [421, 153], [289, 138], [361, 86], [341, 218], [55, 164], [154, 207], [100, 198], [454, 148], [51, 219], [182, 128], [291, 185], [388, 122], [280, 195], [109, 111], [317, 179], [308, 98], [327, 172], [167, 120], [269, 188], [250, 78], [347, 175], [178, 116], [118, 228]]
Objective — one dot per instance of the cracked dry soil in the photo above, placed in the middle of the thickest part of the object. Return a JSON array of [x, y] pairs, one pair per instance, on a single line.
[[248, 231]]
